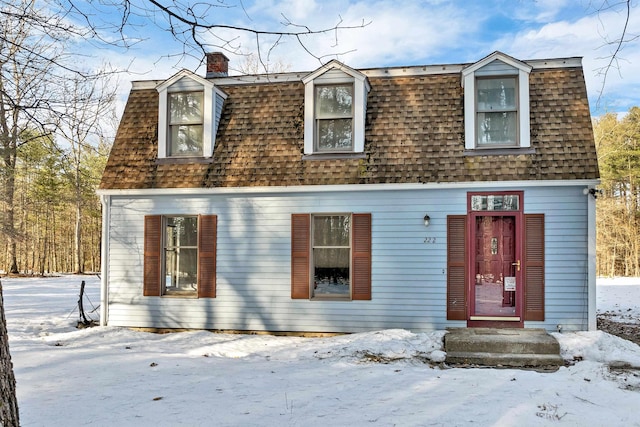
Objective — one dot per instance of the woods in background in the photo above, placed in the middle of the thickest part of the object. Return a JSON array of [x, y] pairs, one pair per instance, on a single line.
[[49, 179], [618, 208]]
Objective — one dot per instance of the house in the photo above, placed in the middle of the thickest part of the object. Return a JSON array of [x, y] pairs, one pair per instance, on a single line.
[[344, 200]]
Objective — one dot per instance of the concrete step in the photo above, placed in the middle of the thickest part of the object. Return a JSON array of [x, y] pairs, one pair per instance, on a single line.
[[502, 347], [504, 359]]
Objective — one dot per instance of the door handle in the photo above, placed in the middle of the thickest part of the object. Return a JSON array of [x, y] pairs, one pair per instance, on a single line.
[[517, 265]]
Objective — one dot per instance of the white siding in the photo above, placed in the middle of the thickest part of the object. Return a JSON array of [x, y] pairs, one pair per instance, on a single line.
[[496, 68], [408, 275]]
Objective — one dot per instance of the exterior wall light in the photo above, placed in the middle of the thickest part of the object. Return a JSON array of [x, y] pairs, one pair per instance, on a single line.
[[595, 192], [427, 220]]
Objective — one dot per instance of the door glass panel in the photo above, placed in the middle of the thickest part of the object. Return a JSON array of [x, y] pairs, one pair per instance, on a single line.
[[499, 202], [494, 289]]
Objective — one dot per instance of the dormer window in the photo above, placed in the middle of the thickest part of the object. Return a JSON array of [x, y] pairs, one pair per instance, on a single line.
[[335, 108], [334, 118], [189, 111], [496, 103], [497, 112], [185, 124]]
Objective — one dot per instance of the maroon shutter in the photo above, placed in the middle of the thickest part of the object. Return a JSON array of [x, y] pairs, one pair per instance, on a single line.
[[361, 257], [456, 267], [152, 255], [300, 247], [534, 267], [207, 235]]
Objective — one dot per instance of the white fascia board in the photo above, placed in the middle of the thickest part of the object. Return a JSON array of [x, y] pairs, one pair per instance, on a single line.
[[104, 260], [524, 127], [208, 120], [163, 124], [591, 264], [179, 75], [348, 188], [309, 127], [334, 64], [469, 111]]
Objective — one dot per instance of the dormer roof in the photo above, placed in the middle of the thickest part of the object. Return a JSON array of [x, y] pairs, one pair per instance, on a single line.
[[337, 65], [499, 56], [184, 74]]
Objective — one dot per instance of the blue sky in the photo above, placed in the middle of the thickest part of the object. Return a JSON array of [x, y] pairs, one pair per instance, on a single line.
[[420, 32]]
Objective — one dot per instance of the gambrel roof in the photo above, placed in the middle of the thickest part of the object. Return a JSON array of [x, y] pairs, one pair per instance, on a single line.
[[414, 133]]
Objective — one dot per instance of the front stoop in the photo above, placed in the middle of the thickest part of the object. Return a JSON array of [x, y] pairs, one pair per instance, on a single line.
[[514, 348]]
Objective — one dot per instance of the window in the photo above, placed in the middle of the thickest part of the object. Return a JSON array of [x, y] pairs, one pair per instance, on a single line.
[[334, 118], [189, 112], [495, 202], [185, 124], [335, 105], [331, 256], [497, 112], [180, 255], [496, 104]]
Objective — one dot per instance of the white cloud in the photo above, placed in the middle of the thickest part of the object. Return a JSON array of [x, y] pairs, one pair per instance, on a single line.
[[396, 33], [405, 32], [539, 11], [588, 37]]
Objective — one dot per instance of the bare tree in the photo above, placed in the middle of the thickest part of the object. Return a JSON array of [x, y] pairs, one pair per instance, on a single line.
[[615, 39], [35, 68], [88, 102], [254, 64], [25, 97], [197, 26]]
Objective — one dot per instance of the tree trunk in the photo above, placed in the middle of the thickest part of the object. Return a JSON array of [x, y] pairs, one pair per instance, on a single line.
[[8, 402], [9, 224], [79, 267]]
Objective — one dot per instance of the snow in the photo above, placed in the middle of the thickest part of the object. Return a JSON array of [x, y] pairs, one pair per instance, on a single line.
[[108, 376]]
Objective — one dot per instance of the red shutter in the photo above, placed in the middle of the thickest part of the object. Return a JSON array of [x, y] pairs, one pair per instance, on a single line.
[[300, 247], [456, 267], [534, 267], [152, 256], [207, 235], [361, 257]]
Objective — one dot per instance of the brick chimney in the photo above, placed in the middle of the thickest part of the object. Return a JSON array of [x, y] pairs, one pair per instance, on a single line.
[[217, 65]]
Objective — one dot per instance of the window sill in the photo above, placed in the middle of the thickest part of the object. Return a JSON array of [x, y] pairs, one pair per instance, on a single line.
[[183, 160], [330, 298], [514, 151], [181, 294], [333, 156]]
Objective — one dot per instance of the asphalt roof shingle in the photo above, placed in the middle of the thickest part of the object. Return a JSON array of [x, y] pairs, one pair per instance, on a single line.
[[414, 133]]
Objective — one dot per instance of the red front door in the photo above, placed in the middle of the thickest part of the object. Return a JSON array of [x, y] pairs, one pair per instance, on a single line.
[[494, 291]]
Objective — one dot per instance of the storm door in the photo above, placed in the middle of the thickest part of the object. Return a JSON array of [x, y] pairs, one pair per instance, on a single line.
[[495, 265], [495, 279]]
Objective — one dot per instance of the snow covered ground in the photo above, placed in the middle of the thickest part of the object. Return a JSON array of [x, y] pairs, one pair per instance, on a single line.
[[107, 376]]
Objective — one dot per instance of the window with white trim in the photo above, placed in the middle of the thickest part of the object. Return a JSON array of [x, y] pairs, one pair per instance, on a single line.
[[497, 112], [331, 256], [331, 260], [185, 124], [180, 254], [334, 117], [496, 103], [189, 111], [335, 99]]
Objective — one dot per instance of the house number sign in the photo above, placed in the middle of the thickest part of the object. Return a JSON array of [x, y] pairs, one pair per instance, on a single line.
[[430, 240]]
